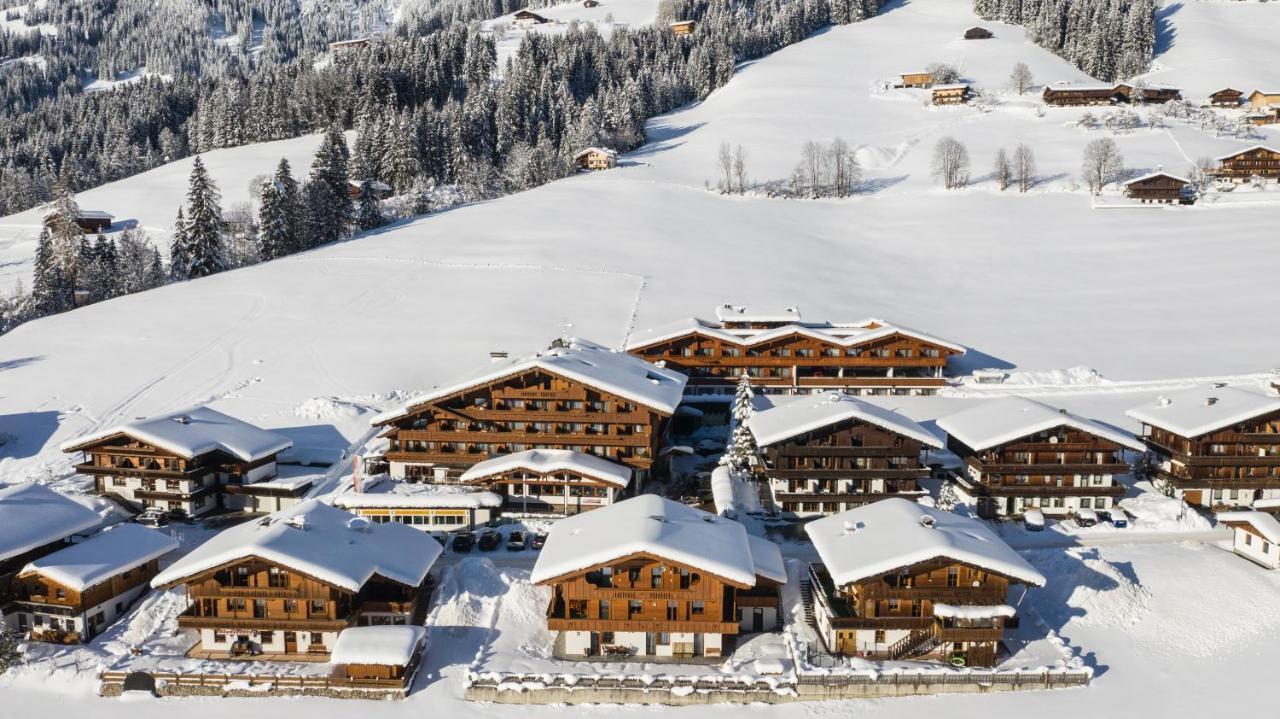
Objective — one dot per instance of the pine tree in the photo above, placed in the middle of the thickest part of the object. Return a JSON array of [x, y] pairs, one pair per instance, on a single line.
[[10, 648], [947, 497], [328, 202], [370, 216], [179, 261], [49, 291], [273, 222], [742, 444], [291, 202], [204, 242]]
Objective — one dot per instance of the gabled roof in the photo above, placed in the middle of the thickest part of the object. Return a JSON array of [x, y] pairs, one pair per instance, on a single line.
[[842, 334], [192, 432], [998, 421], [383, 491], [591, 364], [892, 534], [102, 556], [1201, 410], [806, 414], [319, 541], [544, 461], [952, 86], [1251, 148], [32, 515], [1263, 523], [1226, 89], [601, 150], [656, 526], [1265, 93], [739, 313], [1153, 175]]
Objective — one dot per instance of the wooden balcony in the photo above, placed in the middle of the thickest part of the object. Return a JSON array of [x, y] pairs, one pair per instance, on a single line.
[[870, 381], [1052, 468], [815, 450], [931, 593], [90, 468], [848, 497], [970, 634], [862, 474], [198, 592], [188, 621], [563, 624], [1048, 490], [639, 439], [881, 622]]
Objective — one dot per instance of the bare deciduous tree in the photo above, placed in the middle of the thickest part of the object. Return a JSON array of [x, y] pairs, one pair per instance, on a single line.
[[809, 173], [951, 162], [724, 160], [1102, 163], [943, 73], [1024, 167], [740, 168], [1020, 79], [843, 168], [1003, 170]]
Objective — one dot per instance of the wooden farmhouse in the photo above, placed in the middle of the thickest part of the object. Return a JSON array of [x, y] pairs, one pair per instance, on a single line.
[[1152, 94], [381, 190], [978, 33], [1160, 187], [830, 452], [74, 593], [952, 94], [573, 395], [781, 353], [683, 27], [379, 653], [36, 521], [1259, 161], [1226, 97], [898, 580], [525, 18], [1256, 536], [1077, 95], [287, 585], [590, 3], [1262, 100], [1017, 453], [916, 79], [649, 577], [595, 158], [551, 481], [192, 461], [427, 507], [343, 47], [1218, 445], [89, 221]]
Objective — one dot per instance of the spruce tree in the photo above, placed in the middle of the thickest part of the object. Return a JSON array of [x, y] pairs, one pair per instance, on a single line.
[[273, 222], [179, 260], [204, 242], [370, 216], [291, 201], [48, 291]]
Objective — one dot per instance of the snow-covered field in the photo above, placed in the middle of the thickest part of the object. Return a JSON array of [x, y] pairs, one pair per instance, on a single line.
[[606, 16], [1206, 45]]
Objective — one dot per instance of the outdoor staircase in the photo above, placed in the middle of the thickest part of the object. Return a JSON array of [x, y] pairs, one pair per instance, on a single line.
[[918, 643], [126, 505], [806, 600]]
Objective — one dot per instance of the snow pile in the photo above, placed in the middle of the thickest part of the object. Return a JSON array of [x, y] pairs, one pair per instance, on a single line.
[[330, 408], [1154, 512], [732, 493]]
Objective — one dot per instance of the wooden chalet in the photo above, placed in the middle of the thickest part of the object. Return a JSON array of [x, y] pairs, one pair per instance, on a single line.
[[551, 481], [89, 221], [74, 593], [285, 586], [651, 577], [899, 580], [831, 452], [1218, 445], [1159, 187], [953, 94], [573, 395], [1152, 94], [381, 190], [1256, 536], [1259, 161], [35, 521], [781, 353], [193, 461], [683, 27], [379, 653], [1078, 95], [1262, 100], [595, 158], [978, 33], [343, 47], [526, 18], [1226, 97], [916, 79], [1018, 453], [426, 507]]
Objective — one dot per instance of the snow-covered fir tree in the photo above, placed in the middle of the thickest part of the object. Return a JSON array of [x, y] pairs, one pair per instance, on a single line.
[[370, 213], [50, 291], [742, 445], [179, 261], [205, 254], [273, 222], [947, 497]]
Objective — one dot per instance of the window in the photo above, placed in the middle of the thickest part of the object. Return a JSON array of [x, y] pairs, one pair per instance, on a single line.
[[1248, 539], [879, 636], [290, 606], [633, 575], [697, 608], [268, 637], [277, 578], [317, 606], [1086, 503], [953, 576], [604, 608], [578, 609], [634, 607], [235, 604], [655, 578]]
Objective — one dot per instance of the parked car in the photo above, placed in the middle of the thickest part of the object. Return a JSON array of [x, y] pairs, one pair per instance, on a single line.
[[539, 539], [1033, 520], [153, 517], [463, 541], [1086, 517], [489, 541], [1119, 519], [515, 541]]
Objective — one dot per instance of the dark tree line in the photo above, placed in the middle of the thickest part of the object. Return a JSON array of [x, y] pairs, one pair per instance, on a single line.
[[1108, 39]]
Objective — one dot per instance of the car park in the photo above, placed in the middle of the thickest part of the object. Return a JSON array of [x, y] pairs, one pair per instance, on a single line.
[[463, 541], [515, 542], [489, 541]]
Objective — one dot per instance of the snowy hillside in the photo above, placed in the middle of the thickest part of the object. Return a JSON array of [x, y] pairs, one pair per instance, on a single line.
[[1206, 45], [604, 17]]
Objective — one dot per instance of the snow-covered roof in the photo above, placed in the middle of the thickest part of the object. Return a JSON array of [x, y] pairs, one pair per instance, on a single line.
[[1266, 93], [388, 645], [34, 515], [94, 215], [1151, 175], [767, 558], [973, 611], [839, 334], [649, 524], [601, 150], [102, 556], [547, 461], [1251, 148], [383, 491], [1082, 87], [892, 534], [739, 313], [952, 86], [1269, 503], [579, 360], [1263, 523], [319, 541], [1200, 410], [193, 432], [377, 185], [1006, 419], [782, 422]]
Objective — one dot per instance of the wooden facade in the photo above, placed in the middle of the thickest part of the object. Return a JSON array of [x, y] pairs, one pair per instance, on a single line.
[[891, 616], [1226, 97], [1260, 161], [1075, 96], [916, 79], [841, 466], [531, 408], [1058, 471], [1158, 187], [595, 158], [1230, 467], [563, 491], [957, 94], [89, 221], [683, 27], [526, 18], [65, 615]]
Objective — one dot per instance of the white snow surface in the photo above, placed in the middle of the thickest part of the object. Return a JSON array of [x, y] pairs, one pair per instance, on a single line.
[[1264, 523], [381, 645], [102, 556], [809, 413], [195, 431], [546, 461], [973, 611], [382, 491], [653, 525], [320, 541], [1006, 419], [880, 537], [32, 515], [1200, 410]]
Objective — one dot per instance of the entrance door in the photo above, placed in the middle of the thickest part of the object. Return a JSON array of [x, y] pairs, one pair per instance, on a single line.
[[697, 645], [757, 619], [649, 644], [595, 644], [290, 643]]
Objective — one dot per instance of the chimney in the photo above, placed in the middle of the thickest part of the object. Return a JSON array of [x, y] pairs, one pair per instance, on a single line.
[[182, 419], [927, 521], [497, 355], [1210, 401]]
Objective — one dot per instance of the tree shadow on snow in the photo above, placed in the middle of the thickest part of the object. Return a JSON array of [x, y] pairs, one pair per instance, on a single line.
[[662, 138], [24, 434], [1068, 575], [891, 6], [879, 184], [1166, 33]]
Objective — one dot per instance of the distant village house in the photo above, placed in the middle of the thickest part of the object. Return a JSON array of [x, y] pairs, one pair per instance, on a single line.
[[343, 47], [916, 79], [37, 522], [381, 190], [89, 221], [1076, 95], [1159, 187], [596, 158], [525, 18], [952, 94], [551, 481], [1226, 97], [683, 27], [1260, 161], [1256, 536]]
